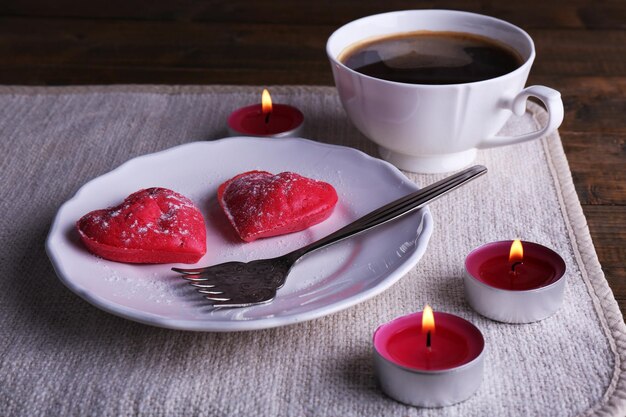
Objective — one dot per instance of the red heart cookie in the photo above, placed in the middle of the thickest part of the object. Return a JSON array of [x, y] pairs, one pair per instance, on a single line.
[[260, 204], [152, 226]]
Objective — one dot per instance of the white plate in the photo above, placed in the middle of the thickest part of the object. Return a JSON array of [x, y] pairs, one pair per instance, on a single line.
[[324, 282]]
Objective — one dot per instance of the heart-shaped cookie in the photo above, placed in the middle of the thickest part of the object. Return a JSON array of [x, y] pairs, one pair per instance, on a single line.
[[260, 204], [154, 226]]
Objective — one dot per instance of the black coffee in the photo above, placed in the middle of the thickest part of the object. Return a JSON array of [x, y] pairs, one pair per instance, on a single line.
[[432, 58]]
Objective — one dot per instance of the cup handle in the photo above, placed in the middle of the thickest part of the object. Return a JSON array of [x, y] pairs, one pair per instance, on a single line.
[[552, 100]]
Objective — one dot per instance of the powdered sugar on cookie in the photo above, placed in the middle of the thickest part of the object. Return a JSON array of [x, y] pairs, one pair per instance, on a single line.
[[259, 204], [155, 225]]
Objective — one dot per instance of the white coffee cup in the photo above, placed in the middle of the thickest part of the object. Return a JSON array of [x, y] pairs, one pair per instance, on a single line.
[[437, 128]]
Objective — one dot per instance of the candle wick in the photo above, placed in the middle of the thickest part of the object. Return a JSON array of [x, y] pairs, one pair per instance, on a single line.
[[267, 117], [514, 265], [428, 340]]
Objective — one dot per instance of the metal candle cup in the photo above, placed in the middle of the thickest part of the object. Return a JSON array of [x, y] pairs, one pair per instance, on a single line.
[[447, 373], [529, 291]]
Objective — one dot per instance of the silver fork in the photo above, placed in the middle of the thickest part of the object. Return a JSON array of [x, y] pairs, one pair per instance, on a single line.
[[243, 284]]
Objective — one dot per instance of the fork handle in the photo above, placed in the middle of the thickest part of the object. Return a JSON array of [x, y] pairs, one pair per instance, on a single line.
[[394, 210]]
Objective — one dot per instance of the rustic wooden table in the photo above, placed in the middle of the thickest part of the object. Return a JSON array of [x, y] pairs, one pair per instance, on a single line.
[[581, 51]]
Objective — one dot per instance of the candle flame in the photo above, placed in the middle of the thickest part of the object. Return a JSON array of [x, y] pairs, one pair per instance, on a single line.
[[517, 251], [266, 102], [428, 320]]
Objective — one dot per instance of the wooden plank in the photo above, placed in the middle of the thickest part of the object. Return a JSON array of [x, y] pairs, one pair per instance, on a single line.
[[529, 14], [579, 53], [36, 42], [592, 103], [61, 44], [597, 187], [622, 306], [610, 15], [607, 225], [598, 165], [87, 75], [616, 277]]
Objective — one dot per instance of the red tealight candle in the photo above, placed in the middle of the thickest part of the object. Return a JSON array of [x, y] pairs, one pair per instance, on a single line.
[[429, 359], [453, 341], [266, 119], [517, 266], [514, 281]]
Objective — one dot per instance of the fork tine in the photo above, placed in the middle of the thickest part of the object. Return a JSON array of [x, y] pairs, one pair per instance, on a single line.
[[226, 304], [201, 291], [193, 271], [232, 304], [195, 278], [217, 298], [200, 285]]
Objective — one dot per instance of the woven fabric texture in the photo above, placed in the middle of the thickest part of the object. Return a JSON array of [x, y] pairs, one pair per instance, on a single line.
[[60, 356]]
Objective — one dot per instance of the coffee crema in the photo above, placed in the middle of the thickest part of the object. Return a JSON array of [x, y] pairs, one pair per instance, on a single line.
[[426, 57]]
